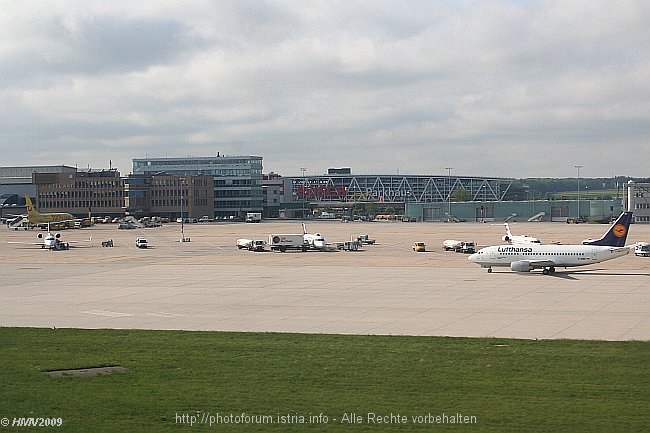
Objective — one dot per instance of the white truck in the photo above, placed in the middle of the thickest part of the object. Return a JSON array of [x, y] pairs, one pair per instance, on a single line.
[[253, 217], [283, 242], [459, 246], [251, 244], [642, 249]]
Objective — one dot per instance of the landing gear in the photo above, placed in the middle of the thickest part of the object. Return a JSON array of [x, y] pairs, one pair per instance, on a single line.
[[549, 270], [489, 270]]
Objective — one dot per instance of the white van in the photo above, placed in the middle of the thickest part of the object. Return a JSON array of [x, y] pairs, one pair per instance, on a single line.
[[642, 249]]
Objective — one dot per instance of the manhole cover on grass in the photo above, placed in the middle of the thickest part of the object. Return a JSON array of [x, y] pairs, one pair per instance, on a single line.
[[84, 372]]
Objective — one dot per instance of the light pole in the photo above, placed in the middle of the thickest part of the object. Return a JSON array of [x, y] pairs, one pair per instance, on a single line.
[[304, 190], [183, 238], [578, 167], [449, 194]]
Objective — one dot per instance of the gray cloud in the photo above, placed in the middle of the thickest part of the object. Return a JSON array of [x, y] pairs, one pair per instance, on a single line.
[[492, 88]]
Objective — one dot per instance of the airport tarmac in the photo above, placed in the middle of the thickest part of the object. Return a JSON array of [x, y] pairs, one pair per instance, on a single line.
[[386, 288]]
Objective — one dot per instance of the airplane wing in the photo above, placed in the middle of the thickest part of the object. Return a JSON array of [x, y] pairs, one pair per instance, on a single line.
[[83, 241], [26, 243]]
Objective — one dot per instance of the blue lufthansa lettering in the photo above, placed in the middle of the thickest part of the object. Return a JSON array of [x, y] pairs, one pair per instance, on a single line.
[[515, 250]]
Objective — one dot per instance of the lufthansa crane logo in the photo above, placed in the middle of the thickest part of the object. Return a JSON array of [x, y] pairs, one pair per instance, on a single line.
[[619, 230]]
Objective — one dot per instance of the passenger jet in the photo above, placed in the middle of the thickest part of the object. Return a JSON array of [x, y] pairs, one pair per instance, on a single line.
[[525, 258], [35, 217], [52, 241], [518, 239]]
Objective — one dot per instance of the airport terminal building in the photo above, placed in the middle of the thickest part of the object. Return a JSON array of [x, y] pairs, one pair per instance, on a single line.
[[410, 195], [432, 198]]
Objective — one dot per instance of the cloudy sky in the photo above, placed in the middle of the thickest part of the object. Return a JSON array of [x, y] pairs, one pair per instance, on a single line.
[[490, 88]]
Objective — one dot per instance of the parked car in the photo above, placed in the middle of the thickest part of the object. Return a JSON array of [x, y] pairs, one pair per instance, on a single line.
[[419, 247]]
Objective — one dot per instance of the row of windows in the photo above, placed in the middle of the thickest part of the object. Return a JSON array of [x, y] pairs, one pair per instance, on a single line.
[[177, 203], [99, 184], [177, 192], [218, 193], [198, 161], [237, 182], [642, 219], [79, 204], [238, 203], [542, 254], [180, 182], [52, 195], [643, 205]]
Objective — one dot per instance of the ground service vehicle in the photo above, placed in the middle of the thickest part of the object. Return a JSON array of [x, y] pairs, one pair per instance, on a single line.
[[419, 247], [251, 244], [459, 246], [283, 242], [253, 217], [348, 245], [642, 249], [141, 243], [365, 240]]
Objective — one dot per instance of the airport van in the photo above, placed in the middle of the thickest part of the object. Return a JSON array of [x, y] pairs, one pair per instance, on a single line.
[[141, 243]]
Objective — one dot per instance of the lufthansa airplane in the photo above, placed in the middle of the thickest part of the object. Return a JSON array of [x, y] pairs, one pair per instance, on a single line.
[[525, 258]]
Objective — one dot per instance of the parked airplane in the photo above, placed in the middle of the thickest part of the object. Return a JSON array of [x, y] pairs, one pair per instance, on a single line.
[[315, 240], [525, 258], [518, 239], [36, 217], [51, 241]]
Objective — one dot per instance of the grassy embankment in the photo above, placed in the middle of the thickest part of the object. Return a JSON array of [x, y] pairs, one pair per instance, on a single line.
[[507, 385]]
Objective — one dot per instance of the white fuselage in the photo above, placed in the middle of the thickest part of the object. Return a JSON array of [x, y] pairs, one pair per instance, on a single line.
[[315, 240], [540, 256], [50, 241], [523, 240]]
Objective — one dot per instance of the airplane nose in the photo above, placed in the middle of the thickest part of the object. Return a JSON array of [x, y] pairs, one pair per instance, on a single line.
[[472, 257]]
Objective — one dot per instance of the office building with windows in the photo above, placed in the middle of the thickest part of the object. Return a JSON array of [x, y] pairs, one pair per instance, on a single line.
[[169, 196], [80, 192], [638, 201], [237, 180]]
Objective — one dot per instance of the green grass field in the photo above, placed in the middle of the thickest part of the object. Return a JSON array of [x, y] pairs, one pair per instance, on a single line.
[[506, 385]]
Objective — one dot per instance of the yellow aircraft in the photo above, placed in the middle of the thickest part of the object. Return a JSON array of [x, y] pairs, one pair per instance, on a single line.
[[35, 217]]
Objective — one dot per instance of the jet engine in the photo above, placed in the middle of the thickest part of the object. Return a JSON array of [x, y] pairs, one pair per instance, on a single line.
[[521, 266]]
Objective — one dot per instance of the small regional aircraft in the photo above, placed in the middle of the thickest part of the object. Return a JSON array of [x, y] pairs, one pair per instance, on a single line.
[[51, 241], [518, 239], [315, 240], [35, 217], [525, 258]]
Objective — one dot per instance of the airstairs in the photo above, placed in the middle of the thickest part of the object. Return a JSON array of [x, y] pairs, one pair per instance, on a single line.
[[537, 217]]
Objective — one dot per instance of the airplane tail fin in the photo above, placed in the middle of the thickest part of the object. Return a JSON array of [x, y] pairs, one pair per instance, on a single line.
[[32, 213], [617, 233]]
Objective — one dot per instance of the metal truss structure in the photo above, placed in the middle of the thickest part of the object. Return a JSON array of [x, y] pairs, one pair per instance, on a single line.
[[401, 189]]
